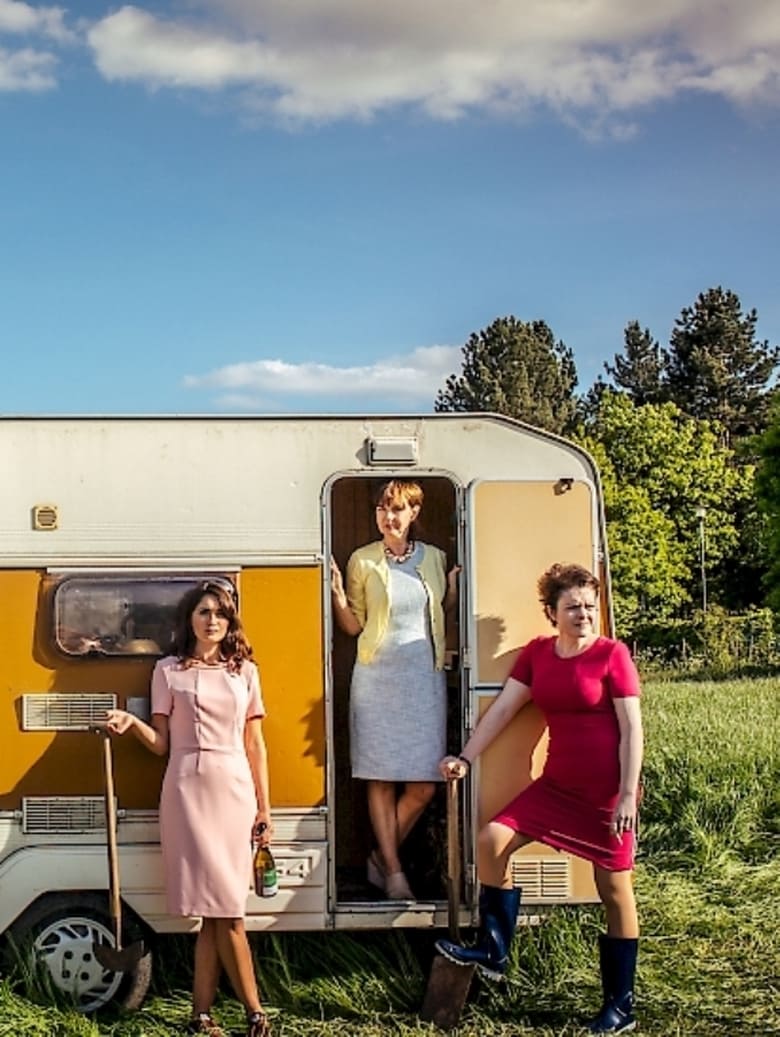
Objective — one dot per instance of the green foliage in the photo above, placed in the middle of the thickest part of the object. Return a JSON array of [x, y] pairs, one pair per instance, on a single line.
[[716, 644], [641, 370], [716, 368], [515, 368], [658, 467], [767, 485]]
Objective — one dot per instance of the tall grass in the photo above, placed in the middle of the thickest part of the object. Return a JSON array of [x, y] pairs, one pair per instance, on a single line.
[[708, 885], [711, 774]]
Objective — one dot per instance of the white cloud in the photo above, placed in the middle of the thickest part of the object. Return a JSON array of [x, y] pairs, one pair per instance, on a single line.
[[26, 69], [412, 378], [330, 59], [21, 18], [30, 68]]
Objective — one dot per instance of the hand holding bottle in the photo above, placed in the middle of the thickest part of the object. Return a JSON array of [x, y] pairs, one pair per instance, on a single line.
[[266, 881]]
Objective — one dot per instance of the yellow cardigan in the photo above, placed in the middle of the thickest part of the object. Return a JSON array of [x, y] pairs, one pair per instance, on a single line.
[[369, 598]]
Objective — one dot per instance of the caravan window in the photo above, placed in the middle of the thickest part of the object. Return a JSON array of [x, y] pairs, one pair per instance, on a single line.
[[119, 614]]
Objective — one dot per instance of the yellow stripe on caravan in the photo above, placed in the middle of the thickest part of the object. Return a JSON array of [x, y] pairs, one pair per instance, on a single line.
[[282, 611]]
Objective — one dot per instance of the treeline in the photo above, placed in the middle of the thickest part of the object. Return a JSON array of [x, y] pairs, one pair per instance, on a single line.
[[687, 439]]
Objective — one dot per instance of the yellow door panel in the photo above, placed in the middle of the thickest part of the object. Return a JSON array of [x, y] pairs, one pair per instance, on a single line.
[[520, 529]]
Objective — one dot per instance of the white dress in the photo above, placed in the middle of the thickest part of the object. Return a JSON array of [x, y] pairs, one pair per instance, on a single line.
[[398, 704]]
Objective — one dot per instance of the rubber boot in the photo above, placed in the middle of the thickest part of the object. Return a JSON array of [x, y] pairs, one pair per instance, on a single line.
[[617, 958], [498, 918]]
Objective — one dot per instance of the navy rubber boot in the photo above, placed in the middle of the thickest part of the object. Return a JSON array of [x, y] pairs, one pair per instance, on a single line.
[[498, 918], [617, 958]]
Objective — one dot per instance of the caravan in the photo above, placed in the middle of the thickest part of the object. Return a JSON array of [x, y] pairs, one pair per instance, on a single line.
[[104, 522]]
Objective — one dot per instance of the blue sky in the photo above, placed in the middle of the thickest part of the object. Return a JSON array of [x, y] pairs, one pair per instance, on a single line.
[[261, 205]]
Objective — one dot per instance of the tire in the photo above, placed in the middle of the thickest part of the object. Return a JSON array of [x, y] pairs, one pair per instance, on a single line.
[[53, 943]]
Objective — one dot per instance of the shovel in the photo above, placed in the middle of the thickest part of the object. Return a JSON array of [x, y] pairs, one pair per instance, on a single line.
[[115, 959], [448, 983]]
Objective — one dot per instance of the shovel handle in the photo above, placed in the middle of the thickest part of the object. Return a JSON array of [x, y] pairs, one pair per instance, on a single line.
[[111, 840], [453, 857]]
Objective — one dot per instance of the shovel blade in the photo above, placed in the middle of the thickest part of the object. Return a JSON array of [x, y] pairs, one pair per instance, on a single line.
[[119, 959], [445, 996]]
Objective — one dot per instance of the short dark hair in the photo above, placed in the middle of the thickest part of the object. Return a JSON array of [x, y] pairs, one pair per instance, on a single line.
[[562, 577]]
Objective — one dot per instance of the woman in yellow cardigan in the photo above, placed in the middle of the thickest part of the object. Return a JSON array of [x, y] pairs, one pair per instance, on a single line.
[[397, 593]]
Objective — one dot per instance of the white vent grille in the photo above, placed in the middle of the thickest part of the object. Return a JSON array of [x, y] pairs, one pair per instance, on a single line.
[[42, 815], [64, 712], [542, 879]]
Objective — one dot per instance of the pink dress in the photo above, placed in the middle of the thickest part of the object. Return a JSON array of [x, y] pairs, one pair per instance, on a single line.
[[208, 803], [570, 805]]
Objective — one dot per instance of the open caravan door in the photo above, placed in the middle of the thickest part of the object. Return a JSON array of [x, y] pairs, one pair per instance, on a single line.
[[517, 530]]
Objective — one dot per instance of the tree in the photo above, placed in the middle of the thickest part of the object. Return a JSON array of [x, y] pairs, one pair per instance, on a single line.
[[768, 495], [717, 369], [657, 467], [640, 372], [515, 368]]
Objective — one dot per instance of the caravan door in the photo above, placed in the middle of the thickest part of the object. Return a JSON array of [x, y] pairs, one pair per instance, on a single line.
[[517, 529]]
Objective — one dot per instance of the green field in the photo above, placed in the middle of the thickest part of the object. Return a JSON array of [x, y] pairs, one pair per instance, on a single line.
[[708, 886]]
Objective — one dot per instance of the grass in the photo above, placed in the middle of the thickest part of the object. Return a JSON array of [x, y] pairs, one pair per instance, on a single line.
[[708, 886]]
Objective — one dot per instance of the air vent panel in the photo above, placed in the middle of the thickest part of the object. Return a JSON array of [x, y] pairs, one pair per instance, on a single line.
[[65, 712], [45, 517], [542, 879], [49, 815]]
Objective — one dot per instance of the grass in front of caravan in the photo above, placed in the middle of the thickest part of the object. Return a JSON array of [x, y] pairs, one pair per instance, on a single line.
[[708, 891]]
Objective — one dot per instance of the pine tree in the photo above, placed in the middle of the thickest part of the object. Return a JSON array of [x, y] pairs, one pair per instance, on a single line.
[[717, 369], [640, 371], [515, 368]]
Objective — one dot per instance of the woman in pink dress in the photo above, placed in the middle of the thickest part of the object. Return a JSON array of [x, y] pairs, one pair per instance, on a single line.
[[207, 714], [584, 802]]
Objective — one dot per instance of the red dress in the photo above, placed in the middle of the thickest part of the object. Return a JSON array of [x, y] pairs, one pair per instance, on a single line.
[[570, 805]]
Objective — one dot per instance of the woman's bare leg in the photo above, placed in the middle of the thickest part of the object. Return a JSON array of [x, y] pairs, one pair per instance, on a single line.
[[382, 811], [236, 957], [616, 889], [495, 843], [206, 969], [413, 801]]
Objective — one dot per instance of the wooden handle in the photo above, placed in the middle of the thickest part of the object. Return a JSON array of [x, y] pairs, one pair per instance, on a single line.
[[453, 858], [111, 840]]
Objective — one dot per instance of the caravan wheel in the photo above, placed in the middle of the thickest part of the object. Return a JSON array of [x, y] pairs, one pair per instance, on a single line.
[[56, 937]]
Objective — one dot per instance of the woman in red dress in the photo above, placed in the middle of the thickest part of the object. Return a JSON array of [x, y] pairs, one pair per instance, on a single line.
[[584, 802]]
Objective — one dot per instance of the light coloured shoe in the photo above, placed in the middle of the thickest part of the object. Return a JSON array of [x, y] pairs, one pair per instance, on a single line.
[[375, 872], [204, 1024], [397, 888]]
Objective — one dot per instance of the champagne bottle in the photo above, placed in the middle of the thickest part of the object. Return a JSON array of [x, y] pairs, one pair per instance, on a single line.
[[266, 882]]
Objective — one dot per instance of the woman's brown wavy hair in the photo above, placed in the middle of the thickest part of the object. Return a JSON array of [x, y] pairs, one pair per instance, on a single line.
[[234, 649]]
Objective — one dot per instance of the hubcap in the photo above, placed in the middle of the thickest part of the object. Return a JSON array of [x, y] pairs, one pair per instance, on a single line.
[[65, 948]]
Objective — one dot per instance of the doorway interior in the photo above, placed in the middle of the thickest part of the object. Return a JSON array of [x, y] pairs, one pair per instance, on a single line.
[[352, 518]]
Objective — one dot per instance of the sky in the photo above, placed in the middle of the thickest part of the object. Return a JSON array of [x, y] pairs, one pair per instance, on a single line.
[[305, 206]]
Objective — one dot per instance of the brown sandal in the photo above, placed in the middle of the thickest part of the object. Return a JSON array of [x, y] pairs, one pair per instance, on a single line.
[[257, 1025]]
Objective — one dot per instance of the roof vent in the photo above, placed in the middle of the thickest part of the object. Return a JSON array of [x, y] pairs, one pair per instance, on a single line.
[[391, 450]]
